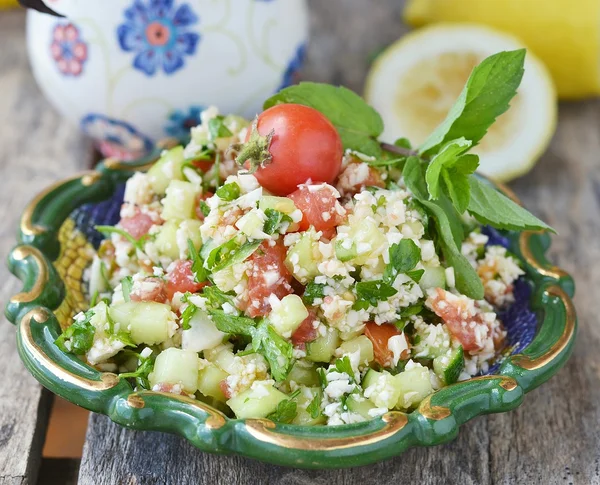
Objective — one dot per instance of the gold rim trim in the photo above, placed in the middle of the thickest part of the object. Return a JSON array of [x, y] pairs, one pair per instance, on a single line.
[[107, 380], [28, 228], [263, 430], [216, 419], [528, 363], [525, 248], [21, 253]]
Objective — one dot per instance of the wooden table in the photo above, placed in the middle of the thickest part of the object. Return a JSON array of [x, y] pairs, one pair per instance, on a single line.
[[554, 437]]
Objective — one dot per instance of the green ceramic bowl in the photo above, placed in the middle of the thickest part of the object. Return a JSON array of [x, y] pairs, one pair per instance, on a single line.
[[50, 259]]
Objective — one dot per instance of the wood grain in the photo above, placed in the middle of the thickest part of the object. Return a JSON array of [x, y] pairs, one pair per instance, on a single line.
[[36, 147]]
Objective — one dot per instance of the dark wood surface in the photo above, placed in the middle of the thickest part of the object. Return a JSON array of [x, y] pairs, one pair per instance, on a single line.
[[553, 438]]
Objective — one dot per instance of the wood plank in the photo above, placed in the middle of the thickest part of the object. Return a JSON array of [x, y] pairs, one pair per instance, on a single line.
[[58, 471], [36, 147]]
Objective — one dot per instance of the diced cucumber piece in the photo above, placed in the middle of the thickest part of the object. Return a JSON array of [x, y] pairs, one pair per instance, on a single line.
[[225, 279], [148, 322], [224, 359], [414, 385], [189, 230], [176, 366], [303, 373], [361, 405], [281, 204], [381, 388], [166, 240], [431, 341], [288, 315], [202, 334], [363, 345], [323, 348], [167, 168], [99, 318], [257, 402], [415, 229], [344, 254], [179, 201], [448, 367], [433, 277], [209, 382], [251, 224], [306, 397], [98, 283], [366, 238], [303, 258]]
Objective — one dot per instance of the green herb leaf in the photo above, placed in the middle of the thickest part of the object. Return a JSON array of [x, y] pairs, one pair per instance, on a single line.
[[80, 336], [411, 310], [229, 192], [314, 408], [404, 256], [445, 158], [467, 279], [374, 291], [198, 269], [187, 315], [217, 298], [232, 324], [489, 206], [343, 365], [286, 410], [274, 219], [108, 230], [126, 286], [487, 95], [457, 188], [204, 208], [230, 253], [217, 128], [415, 275], [360, 305], [277, 350], [358, 124], [312, 292]]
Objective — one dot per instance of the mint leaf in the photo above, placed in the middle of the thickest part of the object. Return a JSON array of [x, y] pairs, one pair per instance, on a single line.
[[273, 347], [286, 410], [314, 408], [126, 286], [358, 124], [467, 279], [217, 128], [374, 291], [457, 188], [80, 336], [489, 206], [232, 324], [404, 256], [229, 192], [198, 269], [447, 156], [487, 95], [312, 292]]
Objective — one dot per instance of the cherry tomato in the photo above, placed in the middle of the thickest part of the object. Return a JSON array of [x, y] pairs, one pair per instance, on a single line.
[[379, 336], [305, 146], [203, 196], [319, 207], [451, 312], [181, 279], [151, 289], [137, 225], [268, 276], [305, 332], [203, 165]]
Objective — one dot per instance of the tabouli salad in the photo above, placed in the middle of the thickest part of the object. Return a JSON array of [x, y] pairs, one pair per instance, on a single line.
[[296, 268]]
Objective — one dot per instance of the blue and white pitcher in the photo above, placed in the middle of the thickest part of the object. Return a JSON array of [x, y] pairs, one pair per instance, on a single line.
[[130, 72]]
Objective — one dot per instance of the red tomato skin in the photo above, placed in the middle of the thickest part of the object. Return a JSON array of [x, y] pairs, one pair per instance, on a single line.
[[313, 204], [181, 279], [305, 146], [265, 260], [203, 165], [157, 293], [379, 336], [305, 331], [137, 225]]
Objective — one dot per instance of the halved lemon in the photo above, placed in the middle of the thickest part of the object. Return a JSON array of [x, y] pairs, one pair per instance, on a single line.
[[416, 80]]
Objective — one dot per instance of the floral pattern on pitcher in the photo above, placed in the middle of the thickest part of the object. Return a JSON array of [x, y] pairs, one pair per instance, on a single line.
[[293, 68], [179, 121], [158, 32], [68, 49]]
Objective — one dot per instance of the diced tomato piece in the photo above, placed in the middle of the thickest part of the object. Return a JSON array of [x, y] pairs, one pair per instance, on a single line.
[[379, 336], [306, 332], [151, 289], [137, 225], [203, 196], [453, 311], [203, 165], [268, 275], [181, 279], [166, 387], [320, 208]]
